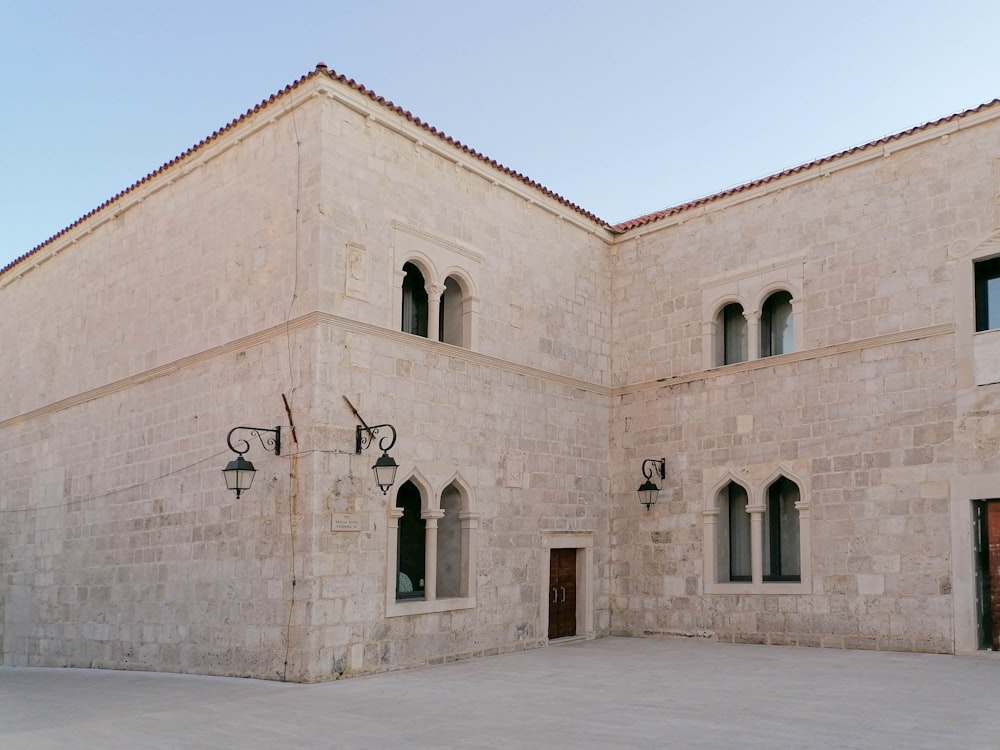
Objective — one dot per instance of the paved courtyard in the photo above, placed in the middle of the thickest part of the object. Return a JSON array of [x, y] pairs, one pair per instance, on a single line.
[[609, 694]]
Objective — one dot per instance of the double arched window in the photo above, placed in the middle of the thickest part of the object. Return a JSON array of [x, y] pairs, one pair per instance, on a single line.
[[431, 546], [757, 539], [742, 336], [443, 311]]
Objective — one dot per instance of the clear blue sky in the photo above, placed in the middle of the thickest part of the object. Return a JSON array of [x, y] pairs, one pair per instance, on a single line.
[[622, 107]]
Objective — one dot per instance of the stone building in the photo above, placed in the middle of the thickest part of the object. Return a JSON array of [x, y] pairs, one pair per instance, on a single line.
[[811, 355]]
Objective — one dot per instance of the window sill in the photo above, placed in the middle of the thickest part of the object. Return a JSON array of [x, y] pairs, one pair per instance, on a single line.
[[769, 587], [400, 608]]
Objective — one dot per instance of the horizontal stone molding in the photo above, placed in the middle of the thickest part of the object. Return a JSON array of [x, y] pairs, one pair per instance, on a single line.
[[485, 360], [833, 350], [297, 324]]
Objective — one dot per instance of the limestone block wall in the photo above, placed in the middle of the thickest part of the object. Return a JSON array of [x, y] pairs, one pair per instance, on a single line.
[[122, 547], [520, 416], [198, 256], [232, 280], [146, 332], [532, 451], [863, 415], [394, 193]]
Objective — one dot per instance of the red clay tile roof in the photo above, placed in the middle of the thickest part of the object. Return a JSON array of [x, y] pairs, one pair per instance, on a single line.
[[321, 69], [640, 221]]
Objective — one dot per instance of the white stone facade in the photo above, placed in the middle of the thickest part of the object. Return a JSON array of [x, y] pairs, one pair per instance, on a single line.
[[266, 266]]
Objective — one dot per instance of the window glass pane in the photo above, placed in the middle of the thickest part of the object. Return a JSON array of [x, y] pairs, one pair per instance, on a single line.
[[993, 303], [451, 321], [410, 559], [734, 333], [739, 535], [414, 301], [987, 294], [781, 532], [450, 558], [776, 325]]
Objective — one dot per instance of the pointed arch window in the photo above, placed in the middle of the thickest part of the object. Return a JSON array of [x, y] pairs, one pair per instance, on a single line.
[[757, 539], [734, 529], [411, 541], [781, 532], [432, 554]]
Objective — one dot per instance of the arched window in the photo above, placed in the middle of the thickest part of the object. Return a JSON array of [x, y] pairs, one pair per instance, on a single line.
[[452, 321], [732, 341], [410, 559], [776, 325], [734, 526], [781, 532], [452, 547], [434, 540], [414, 301]]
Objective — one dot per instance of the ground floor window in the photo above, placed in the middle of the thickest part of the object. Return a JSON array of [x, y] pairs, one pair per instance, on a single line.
[[432, 548], [411, 544], [757, 537]]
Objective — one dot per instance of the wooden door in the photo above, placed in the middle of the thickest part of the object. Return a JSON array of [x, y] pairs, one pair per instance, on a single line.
[[987, 536], [562, 593]]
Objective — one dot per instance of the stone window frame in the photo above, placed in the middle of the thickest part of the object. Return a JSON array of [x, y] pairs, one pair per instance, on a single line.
[[750, 290], [768, 311], [436, 286], [431, 512], [757, 497], [721, 331], [440, 259]]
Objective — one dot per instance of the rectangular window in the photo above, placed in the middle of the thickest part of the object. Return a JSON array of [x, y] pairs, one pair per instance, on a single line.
[[988, 294]]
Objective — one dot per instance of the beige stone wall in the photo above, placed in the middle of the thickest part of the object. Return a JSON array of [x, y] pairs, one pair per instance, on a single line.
[[268, 264], [197, 302], [865, 414]]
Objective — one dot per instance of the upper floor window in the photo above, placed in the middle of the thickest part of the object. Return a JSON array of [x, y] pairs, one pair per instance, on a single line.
[[414, 301], [988, 294], [451, 327], [442, 311], [776, 325], [733, 342]]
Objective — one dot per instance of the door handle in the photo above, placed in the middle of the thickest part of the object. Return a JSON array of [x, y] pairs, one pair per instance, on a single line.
[[564, 593], [555, 595]]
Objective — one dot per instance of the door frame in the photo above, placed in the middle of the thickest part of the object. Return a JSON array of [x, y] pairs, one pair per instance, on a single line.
[[583, 543], [964, 491]]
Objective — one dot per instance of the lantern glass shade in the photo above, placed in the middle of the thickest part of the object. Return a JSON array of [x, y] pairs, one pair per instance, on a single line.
[[385, 472], [648, 493], [239, 475]]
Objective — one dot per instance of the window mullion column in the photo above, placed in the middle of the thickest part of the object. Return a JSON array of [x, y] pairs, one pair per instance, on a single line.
[[753, 335], [756, 542], [434, 311], [431, 517], [392, 521]]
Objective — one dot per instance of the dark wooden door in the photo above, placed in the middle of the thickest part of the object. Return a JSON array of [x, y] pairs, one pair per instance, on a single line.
[[562, 593], [987, 534]]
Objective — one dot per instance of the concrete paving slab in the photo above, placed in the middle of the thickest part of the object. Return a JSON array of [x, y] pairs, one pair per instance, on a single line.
[[610, 693]]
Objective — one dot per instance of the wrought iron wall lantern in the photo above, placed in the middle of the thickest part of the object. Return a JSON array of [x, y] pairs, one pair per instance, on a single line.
[[385, 467], [648, 491], [239, 472]]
